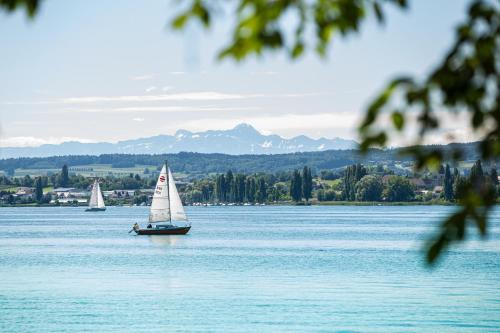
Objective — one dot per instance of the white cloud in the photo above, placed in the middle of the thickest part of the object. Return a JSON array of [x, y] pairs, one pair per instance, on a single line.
[[167, 88], [150, 89], [185, 96], [30, 141], [138, 119], [142, 77], [177, 73], [190, 96], [208, 108]]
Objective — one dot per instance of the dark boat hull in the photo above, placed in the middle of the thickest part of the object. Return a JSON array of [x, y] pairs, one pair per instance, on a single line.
[[95, 209], [163, 231]]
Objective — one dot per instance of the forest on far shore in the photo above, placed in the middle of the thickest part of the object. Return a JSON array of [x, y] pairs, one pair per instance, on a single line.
[[201, 165]]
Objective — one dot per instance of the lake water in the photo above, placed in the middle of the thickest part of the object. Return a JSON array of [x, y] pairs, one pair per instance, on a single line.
[[243, 269]]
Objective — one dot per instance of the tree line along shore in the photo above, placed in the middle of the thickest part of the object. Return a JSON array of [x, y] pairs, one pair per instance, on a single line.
[[355, 184]]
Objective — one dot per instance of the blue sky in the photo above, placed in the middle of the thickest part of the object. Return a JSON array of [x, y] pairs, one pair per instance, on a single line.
[[108, 71]]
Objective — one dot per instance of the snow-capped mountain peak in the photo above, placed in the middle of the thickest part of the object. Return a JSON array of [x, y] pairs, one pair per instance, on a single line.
[[242, 139]]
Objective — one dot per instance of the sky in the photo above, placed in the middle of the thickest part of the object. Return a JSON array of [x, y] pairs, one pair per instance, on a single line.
[[107, 71]]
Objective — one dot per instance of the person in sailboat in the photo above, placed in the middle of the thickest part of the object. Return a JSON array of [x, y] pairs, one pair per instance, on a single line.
[[135, 227]]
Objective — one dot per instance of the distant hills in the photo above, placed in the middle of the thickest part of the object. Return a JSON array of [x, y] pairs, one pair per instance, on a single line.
[[242, 139], [203, 164]]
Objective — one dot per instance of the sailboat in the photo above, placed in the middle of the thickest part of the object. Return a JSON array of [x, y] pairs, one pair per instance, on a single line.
[[96, 202], [166, 209]]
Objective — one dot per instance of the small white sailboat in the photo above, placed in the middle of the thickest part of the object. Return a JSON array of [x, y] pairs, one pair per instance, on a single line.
[[96, 202], [166, 212]]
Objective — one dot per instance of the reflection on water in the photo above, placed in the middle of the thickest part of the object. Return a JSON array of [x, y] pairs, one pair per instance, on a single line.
[[165, 240], [244, 269]]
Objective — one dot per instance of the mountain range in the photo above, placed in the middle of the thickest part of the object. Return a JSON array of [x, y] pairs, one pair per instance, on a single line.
[[242, 139]]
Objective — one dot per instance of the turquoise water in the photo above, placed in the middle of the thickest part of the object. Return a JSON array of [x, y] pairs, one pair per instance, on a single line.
[[243, 269]]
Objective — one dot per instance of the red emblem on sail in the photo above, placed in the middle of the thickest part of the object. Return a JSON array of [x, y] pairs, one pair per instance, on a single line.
[[162, 178]]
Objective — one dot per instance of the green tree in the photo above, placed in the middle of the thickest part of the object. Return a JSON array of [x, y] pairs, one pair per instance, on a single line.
[[306, 183], [261, 190], [233, 191], [369, 188], [27, 181], [250, 189], [274, 194], [10, 171], [326, 195], [229, 194], [38, 190], [448, 184], [64, 181], [220, 188], [398, 189], [476, 175], [481, 182], [239, 188], [352, 175], [296, 186], [207, 192], [494, 176]]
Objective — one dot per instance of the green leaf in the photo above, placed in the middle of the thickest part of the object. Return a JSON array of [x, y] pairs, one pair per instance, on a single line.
[[378, 12], [31, 6], [298, 49], [398, 120], [180, 21], [377, 140], [436, 248]]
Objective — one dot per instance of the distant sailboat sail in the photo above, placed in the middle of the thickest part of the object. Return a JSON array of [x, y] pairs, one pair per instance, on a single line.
[[93, 196], [96, 202], [100, 199]]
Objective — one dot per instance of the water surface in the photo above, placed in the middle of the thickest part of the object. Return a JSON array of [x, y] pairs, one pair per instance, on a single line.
[[243, 269]]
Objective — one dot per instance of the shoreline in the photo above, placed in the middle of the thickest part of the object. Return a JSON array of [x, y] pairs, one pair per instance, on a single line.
[[325, 203]]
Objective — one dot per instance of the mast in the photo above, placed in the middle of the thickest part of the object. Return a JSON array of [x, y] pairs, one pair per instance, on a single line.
[[168, 191]]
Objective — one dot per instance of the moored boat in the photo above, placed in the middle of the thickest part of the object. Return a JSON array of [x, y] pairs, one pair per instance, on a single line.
[[166, 215]]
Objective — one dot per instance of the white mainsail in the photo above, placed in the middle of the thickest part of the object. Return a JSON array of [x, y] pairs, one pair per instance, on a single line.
[[176, 208], [160, 206], [100, 199], [166, 205], [96, 199]]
